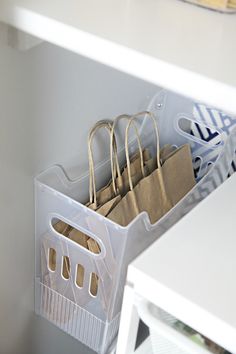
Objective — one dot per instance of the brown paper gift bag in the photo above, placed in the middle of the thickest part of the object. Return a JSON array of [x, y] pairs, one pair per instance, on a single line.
[[74, 234], [118, 183], [102, 203], [137, 161], [120, 177], [92, 244], [112, 190], [108, 197], [141, 164], [151, 164], [159, 191], [105, 194]]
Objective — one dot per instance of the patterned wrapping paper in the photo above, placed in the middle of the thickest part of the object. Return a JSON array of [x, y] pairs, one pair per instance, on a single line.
[[212, 117]]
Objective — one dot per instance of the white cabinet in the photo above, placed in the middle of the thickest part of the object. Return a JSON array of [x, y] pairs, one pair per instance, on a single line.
[[100, 59], [189, 274]]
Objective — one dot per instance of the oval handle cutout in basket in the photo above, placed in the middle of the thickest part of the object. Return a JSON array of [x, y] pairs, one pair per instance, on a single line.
[[197, 165], [199, 132], [65, 267], [79, 276], [75, 235], [94, 279], [52, 255]]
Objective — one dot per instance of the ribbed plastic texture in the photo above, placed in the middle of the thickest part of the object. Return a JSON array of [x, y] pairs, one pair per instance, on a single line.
[[74, 319], [93, 319], [162, 345]]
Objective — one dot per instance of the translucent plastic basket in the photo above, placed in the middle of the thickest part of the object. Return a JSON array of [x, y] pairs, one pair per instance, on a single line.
[[167, 337], [74, 319], [94, 319]]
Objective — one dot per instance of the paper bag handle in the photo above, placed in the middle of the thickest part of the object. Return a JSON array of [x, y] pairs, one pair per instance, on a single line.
[[150, 114], [92, 185], [161, 178], [128, 117]]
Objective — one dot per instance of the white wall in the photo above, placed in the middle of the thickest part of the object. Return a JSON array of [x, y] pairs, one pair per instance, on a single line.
[[49, 98]]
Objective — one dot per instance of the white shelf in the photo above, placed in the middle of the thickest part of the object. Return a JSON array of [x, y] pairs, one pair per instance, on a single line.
[[167, 42], [17, 39], [190, 271]]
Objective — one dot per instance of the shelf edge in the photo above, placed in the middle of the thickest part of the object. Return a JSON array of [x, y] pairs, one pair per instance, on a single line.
[[137, 64]]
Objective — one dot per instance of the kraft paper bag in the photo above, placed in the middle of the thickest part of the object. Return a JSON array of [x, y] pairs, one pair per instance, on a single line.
[[76, 235], [108, 198], [142, 163], [159, 191], [107, 192], [137, 161], [118, 185], [232, 4], [136, 172], [112, 192], [120, 177], [102, 201], [151, 164]]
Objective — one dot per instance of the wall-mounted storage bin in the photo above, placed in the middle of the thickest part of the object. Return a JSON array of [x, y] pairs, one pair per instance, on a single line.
[[93, 318]]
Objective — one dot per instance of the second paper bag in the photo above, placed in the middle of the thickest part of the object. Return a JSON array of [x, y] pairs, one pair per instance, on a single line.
[[158, 192]]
